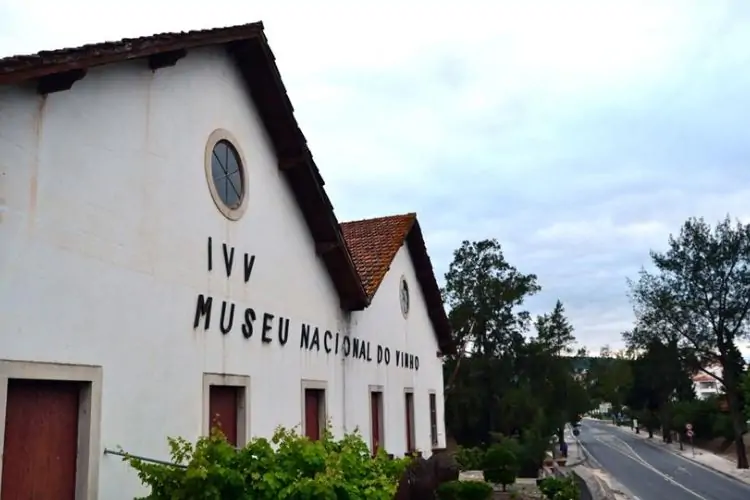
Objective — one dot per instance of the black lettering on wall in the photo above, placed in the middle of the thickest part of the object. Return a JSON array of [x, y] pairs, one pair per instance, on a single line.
[[203, 308], [283, 330], [267, 325], [315, 342], [225, 325], [247, 327], [210, 255], [249, 263], [326, 337], [228, 258], [332, 342], [304, 337]]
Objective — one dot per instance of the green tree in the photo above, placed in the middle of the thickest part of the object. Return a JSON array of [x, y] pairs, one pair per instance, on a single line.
[[698, 293], [555, 332], [609, 380], [660, 379], [485, 295]]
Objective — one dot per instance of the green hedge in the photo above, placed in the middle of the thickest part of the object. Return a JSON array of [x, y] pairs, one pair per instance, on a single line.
[[464, 490], [560, 488], [288, 466]]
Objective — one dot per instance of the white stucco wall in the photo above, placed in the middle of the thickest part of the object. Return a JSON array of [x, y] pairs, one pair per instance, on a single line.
[[103, 253], [414, 335]]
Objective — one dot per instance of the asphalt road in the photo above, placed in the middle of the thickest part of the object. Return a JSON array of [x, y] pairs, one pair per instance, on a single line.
[[650, 472]]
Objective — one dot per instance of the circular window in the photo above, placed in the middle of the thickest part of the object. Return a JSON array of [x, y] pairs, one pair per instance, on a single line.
[[404, 297], [225, 173]]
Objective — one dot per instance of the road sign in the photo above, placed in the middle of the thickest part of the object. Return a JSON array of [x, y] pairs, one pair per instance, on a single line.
[[689, 427], [689, 433]]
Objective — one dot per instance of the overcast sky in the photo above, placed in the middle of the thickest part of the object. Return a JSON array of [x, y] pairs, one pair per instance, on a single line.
[[577, 133]]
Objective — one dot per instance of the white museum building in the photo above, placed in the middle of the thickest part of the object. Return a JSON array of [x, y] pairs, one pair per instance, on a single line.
[[169, 259]]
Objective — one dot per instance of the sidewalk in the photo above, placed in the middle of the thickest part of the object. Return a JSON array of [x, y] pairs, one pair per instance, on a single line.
[[575, 453], [707, 459]]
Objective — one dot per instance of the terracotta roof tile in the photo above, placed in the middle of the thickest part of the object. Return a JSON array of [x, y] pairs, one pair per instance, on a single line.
[[703, 377], [374, 243]]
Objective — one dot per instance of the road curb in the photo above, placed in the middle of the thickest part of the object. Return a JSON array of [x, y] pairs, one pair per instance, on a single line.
[[597, 489]]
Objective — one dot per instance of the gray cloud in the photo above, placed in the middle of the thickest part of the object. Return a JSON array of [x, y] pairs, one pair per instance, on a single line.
[[579, 138], [577, 182]]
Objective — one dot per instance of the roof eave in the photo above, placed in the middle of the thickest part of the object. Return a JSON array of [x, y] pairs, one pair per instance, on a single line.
[[430, 289]]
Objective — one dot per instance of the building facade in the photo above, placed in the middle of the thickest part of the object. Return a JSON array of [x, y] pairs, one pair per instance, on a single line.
[[705, 385], [170, 261]]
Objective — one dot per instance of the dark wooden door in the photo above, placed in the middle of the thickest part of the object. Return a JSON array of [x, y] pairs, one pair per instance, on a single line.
[[223, 410], [312, 414], [377, 412], [433, 419], [410, 422], [41, 440]]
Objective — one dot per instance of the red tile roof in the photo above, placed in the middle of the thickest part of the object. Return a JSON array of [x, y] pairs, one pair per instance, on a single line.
[[248, 47], [374, 243], [703, 377]]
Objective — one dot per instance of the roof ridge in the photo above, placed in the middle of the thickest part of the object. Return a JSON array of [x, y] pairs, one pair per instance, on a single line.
[[412, 215]]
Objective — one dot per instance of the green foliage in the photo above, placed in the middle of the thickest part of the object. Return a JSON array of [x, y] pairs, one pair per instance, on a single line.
[[554, 331], [506, 380], [464, 490], [560, 488], [469, 458], [746, 393], [483, 292], [288, 466], [501, 464], [697, 298]]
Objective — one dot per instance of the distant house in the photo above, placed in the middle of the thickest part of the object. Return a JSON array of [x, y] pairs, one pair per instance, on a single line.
[[170, 262], [705, 385]]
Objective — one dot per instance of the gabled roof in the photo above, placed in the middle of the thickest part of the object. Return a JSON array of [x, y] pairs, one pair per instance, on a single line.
[[374, 243], [57, 70]]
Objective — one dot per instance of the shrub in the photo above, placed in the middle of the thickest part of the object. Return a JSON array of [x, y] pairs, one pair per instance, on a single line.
[[560, 488], [469, 458], [288, 466], [535, 445], [464, 490], [500, 465]]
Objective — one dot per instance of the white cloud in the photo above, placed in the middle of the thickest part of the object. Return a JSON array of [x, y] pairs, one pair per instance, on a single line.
[[579, 133]]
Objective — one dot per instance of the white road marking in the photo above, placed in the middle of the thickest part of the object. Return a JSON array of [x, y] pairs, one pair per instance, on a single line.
[[633, 455], [688, 460]]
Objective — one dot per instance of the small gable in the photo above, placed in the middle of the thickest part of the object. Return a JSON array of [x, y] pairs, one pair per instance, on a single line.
[[374, 243]]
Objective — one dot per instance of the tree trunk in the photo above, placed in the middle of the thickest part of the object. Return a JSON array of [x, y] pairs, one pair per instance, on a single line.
[[738, 425], [668, 423], [735, 411], [650, 433]]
